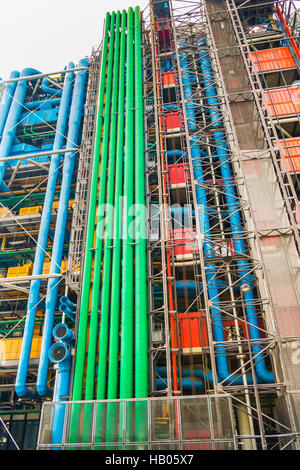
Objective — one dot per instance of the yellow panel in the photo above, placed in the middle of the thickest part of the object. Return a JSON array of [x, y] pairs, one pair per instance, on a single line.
[[30, 210], [10, 348]]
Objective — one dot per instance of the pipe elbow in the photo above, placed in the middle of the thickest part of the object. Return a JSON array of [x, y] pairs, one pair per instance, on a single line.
[[21, 390]]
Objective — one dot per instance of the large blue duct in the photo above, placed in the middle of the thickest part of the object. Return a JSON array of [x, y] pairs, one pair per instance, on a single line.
[[57, 252], [48, 90], [13, 117], [59, 354], [213, 292], [6, 100], [234, 214], [35, 285], [212, 289]]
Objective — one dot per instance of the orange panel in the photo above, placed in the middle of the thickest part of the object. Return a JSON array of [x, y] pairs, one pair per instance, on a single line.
[[278, 58], [168, 79], [284, 101], [291, 152]]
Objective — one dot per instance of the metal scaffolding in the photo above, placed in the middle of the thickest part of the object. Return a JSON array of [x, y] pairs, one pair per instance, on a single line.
[[177, 40]]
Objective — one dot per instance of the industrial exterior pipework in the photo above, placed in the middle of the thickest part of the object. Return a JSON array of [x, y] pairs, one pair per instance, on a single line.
[[88, 255], [61, 220], [6, 100], [34, 293], [10, 127], [113, 309], [232, 202]]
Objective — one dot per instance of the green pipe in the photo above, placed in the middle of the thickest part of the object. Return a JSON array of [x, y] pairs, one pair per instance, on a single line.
[[116, 263], [88, 258], [18, 412], [93, 334], [112, 385], [141, 298], [104, 321], [126, 356], [84, 304]]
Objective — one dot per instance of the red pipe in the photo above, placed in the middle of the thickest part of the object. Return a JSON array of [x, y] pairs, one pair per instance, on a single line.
[[288, 32]]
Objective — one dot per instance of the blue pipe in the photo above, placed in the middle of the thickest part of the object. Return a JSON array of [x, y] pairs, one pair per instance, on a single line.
[[58, 353], [162, 371], [263, 374], [67, 311], [213, 293], [35, 285], [64, 300], [7, 99], [10, 127], [34, 105], [191, 287], [57, 252], [187, 384], [48, 90], [63, 333]]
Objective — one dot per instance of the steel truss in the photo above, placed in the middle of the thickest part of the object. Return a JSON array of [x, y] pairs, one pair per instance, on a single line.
[[190, 24]]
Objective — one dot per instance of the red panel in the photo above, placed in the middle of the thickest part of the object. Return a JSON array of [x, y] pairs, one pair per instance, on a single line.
[[283, 102], [291, 152], [278, 58], [192, 330], [178, 173], [184, 241], [172, 121], [243, 329]]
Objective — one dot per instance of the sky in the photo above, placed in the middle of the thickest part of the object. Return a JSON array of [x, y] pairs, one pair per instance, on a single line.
[[47, 34]]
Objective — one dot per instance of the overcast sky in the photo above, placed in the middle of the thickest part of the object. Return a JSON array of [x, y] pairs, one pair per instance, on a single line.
[[47, 34]]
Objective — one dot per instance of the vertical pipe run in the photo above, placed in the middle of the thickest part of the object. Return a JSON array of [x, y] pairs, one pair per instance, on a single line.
[[202, 210], [57, 252], [126, 357], [10, 127], [88, 256], [33, 298], [6, 100], [234, 215], [141, 295], [94, 318], [116, 250], [141, 329], [104, 309]]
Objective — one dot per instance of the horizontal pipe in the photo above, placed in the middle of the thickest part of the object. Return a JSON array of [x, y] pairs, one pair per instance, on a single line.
[[40, 75], [187, 384], [37, 154]]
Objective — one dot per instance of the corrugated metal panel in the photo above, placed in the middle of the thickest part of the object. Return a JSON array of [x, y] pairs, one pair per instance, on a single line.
[[283, 101], [178, 173], [192, 332], [278, 58]]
